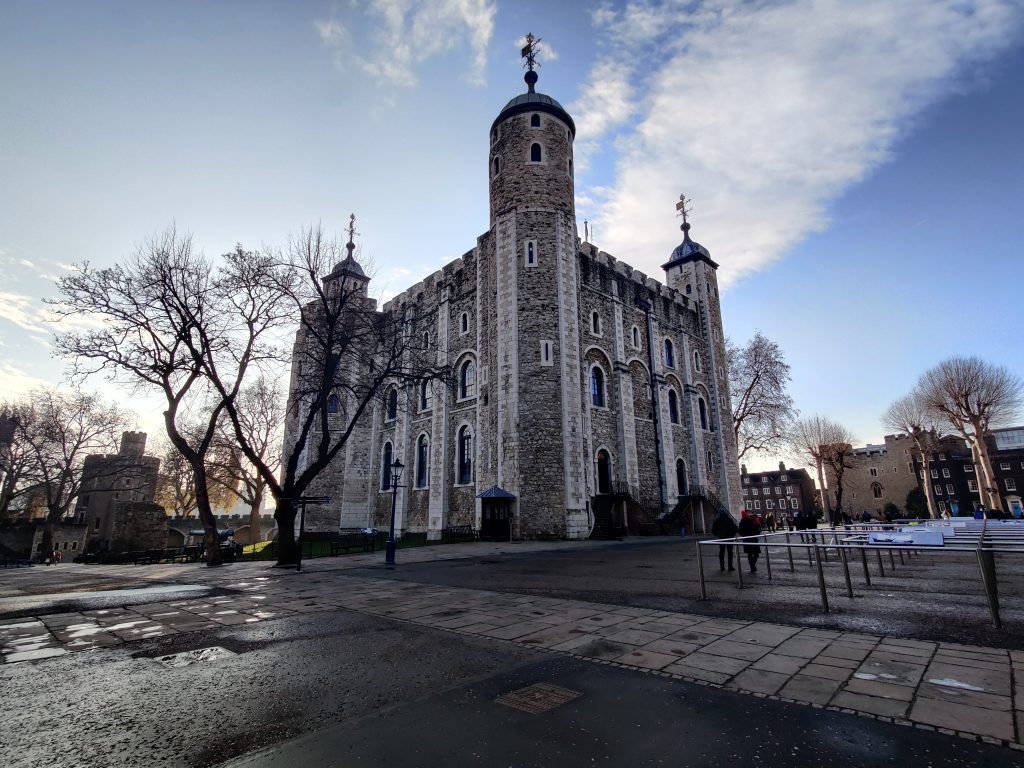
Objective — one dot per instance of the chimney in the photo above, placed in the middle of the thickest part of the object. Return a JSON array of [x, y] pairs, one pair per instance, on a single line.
[[782, 466], [743, 469]]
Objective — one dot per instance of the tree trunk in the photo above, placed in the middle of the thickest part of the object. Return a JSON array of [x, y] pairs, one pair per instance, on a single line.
[[209, 522], [255, 524], [48, 526], [287, 549], [825, 506], [991, 490], [929, 492]]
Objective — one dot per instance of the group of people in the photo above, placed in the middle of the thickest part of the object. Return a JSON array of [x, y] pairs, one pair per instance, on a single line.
[[724, 527]]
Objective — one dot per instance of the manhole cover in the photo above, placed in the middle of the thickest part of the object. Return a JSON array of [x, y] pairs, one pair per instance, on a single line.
[[537, 698], [185, 658]]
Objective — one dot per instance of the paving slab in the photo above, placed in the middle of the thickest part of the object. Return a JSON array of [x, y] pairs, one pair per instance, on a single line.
[[737, 650], [759, 681], [968, 677], [714, 663], [878, 689], [876, 706], [647, 659], [777, 662], [827, 672], [962, 717], [816, 690]]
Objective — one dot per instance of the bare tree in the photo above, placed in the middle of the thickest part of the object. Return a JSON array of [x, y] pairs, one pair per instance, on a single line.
[[763, 411], [176, 486], [910, 415], [63, 429], [14, 455], [973, 396], [168, 320], [261, 412], [822, 443], [345, 354]]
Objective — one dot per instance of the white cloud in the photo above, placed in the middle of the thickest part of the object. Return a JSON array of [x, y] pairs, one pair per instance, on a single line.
[[763, 113], [15, 382], [409, 32], [23, 311]]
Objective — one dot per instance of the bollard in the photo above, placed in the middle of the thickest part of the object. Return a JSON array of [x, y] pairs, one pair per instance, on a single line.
[[864, 562], [767, 557], [789, 551], [739, 566], [700, 571], [821, 579], [846, 572], [881, 570]]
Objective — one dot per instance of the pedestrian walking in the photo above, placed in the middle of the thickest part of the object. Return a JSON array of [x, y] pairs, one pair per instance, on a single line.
[[749, 527], [56, 557], [724, 527]]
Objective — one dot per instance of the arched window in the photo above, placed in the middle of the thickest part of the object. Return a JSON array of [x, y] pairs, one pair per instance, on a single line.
[[531, 253], [464, 323], [696, 361], [426, 396], [332, 404], [681, 477], [535, 121], [535, 153], [385, 467], [636, 337], [465, 456], [467, 380], [711, 460], [392, 410], [426, 340], [495, 166], [673, 407], [689, 289], [595, 323], [703, 413], [670, 359], [422, 462], [597, 386], [876, 490], [604, 472]]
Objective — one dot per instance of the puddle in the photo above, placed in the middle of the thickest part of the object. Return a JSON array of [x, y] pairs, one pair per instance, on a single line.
[[185, 658], [948, 682]]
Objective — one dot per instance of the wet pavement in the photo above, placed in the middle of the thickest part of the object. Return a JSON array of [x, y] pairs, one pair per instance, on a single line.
[[947, 687]]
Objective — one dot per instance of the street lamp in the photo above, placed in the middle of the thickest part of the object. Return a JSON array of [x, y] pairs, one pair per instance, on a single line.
[[396, 476]]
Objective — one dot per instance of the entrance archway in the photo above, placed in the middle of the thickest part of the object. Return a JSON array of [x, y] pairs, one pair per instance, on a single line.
[[604, 472]]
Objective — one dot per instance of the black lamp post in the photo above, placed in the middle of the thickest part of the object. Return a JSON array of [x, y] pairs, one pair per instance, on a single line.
[[396, 476]]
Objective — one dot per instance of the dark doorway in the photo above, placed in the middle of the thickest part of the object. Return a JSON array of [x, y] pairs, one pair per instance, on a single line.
[[496, 520], [604, 472], [681, 476]]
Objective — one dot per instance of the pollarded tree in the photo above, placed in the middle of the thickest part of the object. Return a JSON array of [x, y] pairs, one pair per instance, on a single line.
[[346, 356], [763, 411], [910, 415], [63, 429], [823, 443], [973, 396], [169, 321]]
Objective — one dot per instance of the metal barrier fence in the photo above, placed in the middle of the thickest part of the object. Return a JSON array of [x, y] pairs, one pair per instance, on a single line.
[[983, 540]]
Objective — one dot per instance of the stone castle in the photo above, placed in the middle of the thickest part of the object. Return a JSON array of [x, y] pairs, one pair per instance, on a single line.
[[588, 397]]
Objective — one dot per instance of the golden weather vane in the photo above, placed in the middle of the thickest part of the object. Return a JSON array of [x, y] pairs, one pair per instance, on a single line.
[[529, 51], [683, 208]]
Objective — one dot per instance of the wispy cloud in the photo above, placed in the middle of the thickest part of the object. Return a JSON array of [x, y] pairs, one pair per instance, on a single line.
[[764, 113], [14, 381], [24, 311], [406, 33]]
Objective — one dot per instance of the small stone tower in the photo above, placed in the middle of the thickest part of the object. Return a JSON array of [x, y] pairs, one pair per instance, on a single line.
[[133, 444], [692, 272]]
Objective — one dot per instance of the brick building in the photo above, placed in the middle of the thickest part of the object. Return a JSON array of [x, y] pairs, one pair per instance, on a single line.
[[783, 491], [551, 426]]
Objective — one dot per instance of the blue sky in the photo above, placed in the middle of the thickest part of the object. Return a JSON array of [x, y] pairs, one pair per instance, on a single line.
[[855, 168]]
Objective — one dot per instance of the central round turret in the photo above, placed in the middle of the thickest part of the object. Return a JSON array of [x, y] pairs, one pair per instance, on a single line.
[[530, 161]]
